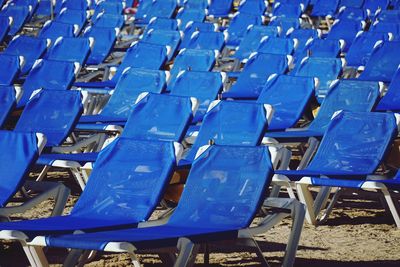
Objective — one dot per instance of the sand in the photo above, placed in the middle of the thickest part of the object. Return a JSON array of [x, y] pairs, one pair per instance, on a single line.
[[358, 233]]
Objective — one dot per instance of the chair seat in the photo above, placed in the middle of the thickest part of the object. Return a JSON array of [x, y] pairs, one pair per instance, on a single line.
[[82, 158]]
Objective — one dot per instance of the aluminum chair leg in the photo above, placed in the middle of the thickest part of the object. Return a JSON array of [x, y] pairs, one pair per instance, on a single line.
[[35, 255], [187, 253]]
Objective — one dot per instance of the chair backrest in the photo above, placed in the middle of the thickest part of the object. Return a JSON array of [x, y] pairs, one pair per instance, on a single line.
[[256, 7], [53, 29], [387, 27], [168, 38], [5, 24], [19, 14], [289, 96], [375, 5], [163, 24], [73, 16], [391, 100], [256, 72], [324, 8], [207, 40], [383, 62], [10, 67], [225, 188], [195, 4], [104, 40], [192, 27], [128, 180], [70, 49], [204, 86], [345, 30], [170, 117], [8, 100], [189, 14], [285, 23], [19, 153], [361, 49], [350, 95], [355, 142], [37, 48], [220, 8], [322, 48], [287, 10], [160, 9], [389, 16], [239, 24], [53, 113], [109, 21], [49, 74], [232, 123], [252, 39], [130, 85], [352, 13], [351, 3], [194, 60], [278, 46]]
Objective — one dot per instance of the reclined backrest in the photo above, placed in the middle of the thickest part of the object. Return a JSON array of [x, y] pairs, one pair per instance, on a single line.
[[194, 60], [191, 14], [387, 27], [375, 5], [5, 24], [70, 49], [170, 117], [10, 67], [104, 40], [350, 95], [232, 123], [287, 10], [285, 23], [171, 39], [37, 48], [355, 142], [128, 180], [289, 96], [204, 86], [207, 40], [256, 7], [383, 63], [19, 15], [391, 101], [225, 188], [256, 72], [73, 16], [9, 96], [49, 74], [321, 48], [130, 85], [161, 9], [389, 16], [192, 27], [109, 21], [351, 3], [53, 29], [115, 7], [324, 8], [220, 8], [352, 14], [345, 30], [163, 24], [278, 46], [19, 153], [53, 113], [195, 4], [239, 25]]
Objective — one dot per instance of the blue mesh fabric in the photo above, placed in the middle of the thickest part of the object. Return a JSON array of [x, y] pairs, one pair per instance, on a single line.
[[163, 24], [346, 30], [195, 4], [55, 29], [19, 152], [286, 23], [48, 74], [287, 10], [352, 3], [231, 123], [70, 49], [19, 14], [109, 8], [17, 47], [220, 8], [193, 60], [391, 101], [278, 46], [191, 27], [374, 5], [126, 185], [389, 16], [9, 69], [109, 21], [207, 40], [321, 48], [53, 113], [323, 8], [383, 63], [164, 38], [385, 27], [188, 14], [129, 86], [204, 86], [4, 27], [239, 24], [303, 34], [353, 13], [252, 40], [255, 74], [325, 69], [361, 49], [289, 96], [73, 16], [256, 7], [170, 116], [355, 142], [222, 194], [104, 41], [162, 9], [7, 102]]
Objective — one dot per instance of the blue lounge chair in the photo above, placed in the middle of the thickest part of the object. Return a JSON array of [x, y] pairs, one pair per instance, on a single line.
[[361, 49], [383, 63], [104, 41], [207, 40], [53, 29], [345, 30], [5, 26], [168, 38], [159, 9], [108, 7], [20, 15], [352, 3], [255, 73], [325, 69], [252, 39], [48, 74], [109, 21], [37, 48], [163, 24], [239, 197], [391, 101], [375, 5], [389, 16], [9, 96], [220, 8], [204, 86], [195, 4], [323, 8], [352, 13], [192, 27], [186, 15], [287, 10], [278, 46], [230, 123], [351, 95], [74, 17], [289, 96], [10, 67], [286, 23], [324, 48], [352, 148], [239, 25], [256, 7], [70, 49], [303, 36]]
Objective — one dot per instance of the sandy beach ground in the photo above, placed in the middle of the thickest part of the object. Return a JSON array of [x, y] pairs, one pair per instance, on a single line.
[[358, 233]]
